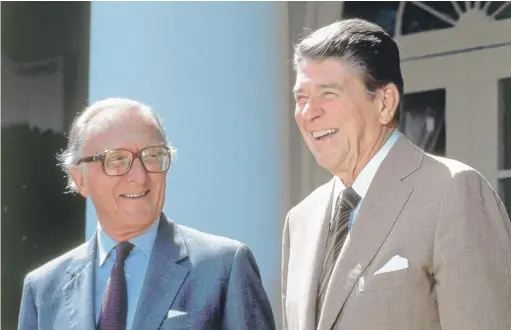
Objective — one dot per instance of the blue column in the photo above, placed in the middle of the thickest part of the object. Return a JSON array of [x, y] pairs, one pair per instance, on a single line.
[[214, 72]]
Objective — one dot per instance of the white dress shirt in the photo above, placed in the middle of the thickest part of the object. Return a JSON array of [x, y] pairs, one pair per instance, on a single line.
[[364, 179]]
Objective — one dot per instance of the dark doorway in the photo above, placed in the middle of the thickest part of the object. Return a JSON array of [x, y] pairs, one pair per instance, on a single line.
[[45, 64]]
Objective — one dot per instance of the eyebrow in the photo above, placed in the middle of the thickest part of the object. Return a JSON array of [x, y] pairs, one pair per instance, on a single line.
[[323, 86], [331, 86]]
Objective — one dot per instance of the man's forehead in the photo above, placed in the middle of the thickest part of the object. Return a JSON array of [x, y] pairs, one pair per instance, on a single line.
[[329, 73], [134, 141], [107, 131], [319, 83]]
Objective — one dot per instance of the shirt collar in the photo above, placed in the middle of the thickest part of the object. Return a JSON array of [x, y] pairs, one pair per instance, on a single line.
[[144, 241], [364, 179]]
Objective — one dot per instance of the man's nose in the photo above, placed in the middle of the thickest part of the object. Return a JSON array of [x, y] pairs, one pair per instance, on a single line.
[[312, 109], [137, 172]]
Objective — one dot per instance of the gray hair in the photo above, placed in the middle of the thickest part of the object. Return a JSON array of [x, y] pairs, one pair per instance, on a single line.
[[69, 157]]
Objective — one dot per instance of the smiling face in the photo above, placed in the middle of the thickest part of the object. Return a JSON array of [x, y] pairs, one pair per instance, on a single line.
[[341, 123], [126, 205]]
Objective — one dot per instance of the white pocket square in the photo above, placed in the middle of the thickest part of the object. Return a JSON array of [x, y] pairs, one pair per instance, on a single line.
[[394, 264], [173, 313]]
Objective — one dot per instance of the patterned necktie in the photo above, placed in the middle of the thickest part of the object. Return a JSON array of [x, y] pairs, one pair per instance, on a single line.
[[336, 236], [115, 300]]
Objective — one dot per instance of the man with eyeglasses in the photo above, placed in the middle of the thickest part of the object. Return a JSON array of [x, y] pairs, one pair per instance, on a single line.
[[140, 270]]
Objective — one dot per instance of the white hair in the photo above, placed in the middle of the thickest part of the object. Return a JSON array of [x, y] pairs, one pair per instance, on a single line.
[[77, 133]]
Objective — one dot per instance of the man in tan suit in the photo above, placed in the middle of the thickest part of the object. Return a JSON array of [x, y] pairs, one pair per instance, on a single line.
[[398, 239]]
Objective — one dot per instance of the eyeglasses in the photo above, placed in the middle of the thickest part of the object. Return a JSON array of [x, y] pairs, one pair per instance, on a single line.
[[117, 162]]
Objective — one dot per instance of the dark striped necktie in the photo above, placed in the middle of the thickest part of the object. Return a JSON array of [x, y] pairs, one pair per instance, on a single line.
[[336, 236], [115, 300]]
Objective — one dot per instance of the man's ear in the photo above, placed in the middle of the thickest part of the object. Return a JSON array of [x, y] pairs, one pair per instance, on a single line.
[[389, 101], [77, 174]]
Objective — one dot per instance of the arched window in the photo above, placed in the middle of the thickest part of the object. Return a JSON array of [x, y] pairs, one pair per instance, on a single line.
[[401, 18]]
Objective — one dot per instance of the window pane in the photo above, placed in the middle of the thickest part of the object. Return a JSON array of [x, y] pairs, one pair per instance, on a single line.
[[505, 124], [503, 8], [505, 193], [382, 13], [417, 19], [422, 120]]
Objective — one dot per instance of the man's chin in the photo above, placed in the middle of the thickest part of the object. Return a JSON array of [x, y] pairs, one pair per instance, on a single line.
[[137, 216], [331, 165]]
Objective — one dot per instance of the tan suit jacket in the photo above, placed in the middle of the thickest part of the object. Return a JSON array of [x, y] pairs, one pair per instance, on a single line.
[[440, 215]]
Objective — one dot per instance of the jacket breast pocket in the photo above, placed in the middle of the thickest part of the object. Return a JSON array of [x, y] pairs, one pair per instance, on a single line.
[[387, 281], [194, 320]]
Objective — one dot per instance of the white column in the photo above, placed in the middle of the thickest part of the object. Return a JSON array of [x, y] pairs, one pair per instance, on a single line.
[[216, 73]]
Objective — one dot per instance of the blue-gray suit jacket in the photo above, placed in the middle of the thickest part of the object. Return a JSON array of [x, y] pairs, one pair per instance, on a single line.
[[214, 280]]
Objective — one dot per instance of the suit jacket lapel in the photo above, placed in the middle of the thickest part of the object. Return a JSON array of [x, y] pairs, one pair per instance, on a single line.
[[380, 209], [79, 289], [164, 277], [313, 230]]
